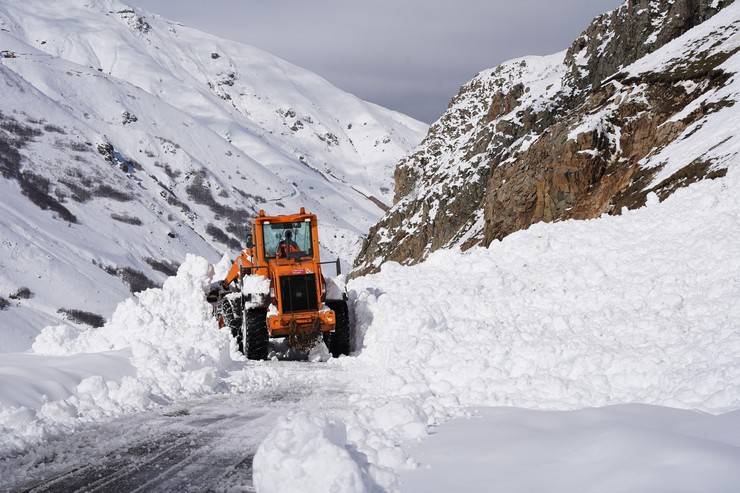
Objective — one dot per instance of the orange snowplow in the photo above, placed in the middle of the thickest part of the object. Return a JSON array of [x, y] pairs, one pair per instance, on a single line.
[[276, 289]]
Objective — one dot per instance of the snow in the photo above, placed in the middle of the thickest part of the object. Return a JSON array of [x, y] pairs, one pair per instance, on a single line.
[[31, 380], [165, 345], [615, 449], [636, 308], [319, 353], [639, 308], [336, 287], [255, 284], [308, 453]]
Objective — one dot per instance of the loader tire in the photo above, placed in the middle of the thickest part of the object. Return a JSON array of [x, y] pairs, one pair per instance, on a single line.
[[232, 315], [339, 341], [256, 339]]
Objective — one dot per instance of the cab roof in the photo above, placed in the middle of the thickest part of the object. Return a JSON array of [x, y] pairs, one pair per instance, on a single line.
[[285, 218]]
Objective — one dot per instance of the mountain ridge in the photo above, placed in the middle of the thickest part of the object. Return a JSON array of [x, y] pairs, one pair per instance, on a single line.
[[532, 140]]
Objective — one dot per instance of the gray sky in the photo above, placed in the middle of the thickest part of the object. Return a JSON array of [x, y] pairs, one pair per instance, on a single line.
[[409, 55]]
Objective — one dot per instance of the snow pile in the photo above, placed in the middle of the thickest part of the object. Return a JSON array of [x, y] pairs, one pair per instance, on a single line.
[[308, 453], [30, 380], [163, 344], [257, 285], [175, 343], [637, 308], [42, 394], [336, 287]]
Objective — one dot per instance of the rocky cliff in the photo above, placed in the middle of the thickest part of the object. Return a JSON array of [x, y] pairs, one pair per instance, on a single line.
[[574, 135]]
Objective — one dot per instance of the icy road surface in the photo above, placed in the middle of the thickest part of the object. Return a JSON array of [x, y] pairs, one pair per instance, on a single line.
[[209, 445], [206, 444]]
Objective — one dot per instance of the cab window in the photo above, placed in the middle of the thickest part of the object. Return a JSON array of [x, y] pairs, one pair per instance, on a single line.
[[287, 240]]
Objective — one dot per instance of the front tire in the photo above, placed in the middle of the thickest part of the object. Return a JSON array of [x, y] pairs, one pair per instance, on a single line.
[[339, 341], [231, 312], [255, 336]]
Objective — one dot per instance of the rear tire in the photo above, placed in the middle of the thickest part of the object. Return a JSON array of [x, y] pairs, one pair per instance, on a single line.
[[339, 341], [255, 336]]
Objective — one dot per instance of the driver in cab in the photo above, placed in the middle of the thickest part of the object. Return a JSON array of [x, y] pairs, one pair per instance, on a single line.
[[287, 246]]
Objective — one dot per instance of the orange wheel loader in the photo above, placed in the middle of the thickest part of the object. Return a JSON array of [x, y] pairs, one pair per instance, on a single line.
[[282, 259]]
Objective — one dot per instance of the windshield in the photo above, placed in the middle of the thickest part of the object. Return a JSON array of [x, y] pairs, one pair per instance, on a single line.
[[287, 240]]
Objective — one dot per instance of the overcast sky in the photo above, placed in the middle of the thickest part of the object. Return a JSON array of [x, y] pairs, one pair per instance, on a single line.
[[409, 55]]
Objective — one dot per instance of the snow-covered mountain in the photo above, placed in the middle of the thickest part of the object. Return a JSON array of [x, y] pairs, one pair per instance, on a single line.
[[127, 140], [642, 102]]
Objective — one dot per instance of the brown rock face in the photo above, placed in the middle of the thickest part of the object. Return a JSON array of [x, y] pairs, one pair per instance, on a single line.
[[553, 138], [560, 177], [624, 35]]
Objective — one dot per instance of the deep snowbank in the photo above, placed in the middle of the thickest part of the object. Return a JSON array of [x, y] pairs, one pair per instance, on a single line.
[[31, 380], [639, 308], [160, 345], [175, 343], [636, 308]]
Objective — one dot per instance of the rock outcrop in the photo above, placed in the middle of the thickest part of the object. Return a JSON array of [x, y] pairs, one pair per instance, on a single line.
[[572, 135]]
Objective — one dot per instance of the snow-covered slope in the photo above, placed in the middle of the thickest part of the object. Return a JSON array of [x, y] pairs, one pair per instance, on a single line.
[[128, 140]]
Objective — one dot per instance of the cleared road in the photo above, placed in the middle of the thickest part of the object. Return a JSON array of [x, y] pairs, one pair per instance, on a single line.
[[205, 445]]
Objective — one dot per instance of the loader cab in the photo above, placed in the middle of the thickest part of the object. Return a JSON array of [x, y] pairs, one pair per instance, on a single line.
[[289, 248], [291, 240], [286, 239]]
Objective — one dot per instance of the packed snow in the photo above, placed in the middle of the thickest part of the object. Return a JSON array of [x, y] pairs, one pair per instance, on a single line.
[[624, 448], [308, 453]]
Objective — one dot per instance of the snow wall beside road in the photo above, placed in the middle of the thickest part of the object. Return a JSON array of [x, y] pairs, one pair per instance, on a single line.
[[638, 308]]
